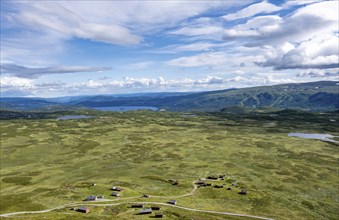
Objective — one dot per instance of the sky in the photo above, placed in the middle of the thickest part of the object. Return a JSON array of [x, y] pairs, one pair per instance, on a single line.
[[69, 48]]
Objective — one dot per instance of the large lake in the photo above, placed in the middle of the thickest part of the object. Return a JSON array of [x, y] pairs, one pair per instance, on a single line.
[[323, 137], [125, 108], [68, 117]]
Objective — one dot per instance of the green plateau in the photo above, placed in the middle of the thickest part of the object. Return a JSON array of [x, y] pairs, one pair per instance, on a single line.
[[48, 163]]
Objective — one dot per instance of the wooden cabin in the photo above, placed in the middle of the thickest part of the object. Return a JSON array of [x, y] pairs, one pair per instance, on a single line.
[[83, 209], [158, 215], [137, 205], [172, 202], [145, 211], [115, 188], [91, 198], [115, 194]]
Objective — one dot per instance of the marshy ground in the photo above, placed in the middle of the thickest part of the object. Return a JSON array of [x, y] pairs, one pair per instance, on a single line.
[[47, 163]]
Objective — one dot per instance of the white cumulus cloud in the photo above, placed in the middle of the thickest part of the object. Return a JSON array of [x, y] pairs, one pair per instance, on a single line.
[[305, 39], [261, 7]]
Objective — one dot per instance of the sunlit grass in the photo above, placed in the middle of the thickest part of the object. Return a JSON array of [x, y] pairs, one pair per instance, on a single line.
[[47, 163]]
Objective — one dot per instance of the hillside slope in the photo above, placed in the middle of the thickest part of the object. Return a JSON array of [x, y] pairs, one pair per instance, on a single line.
[[314, 96]]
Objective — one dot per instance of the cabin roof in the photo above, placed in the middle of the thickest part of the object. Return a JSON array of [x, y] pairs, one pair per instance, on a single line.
[[83, 208], [116, 188], [91, 197], [115, 194], [172, 201], [144, 211]]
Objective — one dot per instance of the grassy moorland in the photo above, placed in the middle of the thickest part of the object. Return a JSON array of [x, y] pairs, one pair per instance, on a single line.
[[47, 163]]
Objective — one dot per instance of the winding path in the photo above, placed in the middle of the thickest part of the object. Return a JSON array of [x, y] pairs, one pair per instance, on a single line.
[[96, 203], [122, 203]]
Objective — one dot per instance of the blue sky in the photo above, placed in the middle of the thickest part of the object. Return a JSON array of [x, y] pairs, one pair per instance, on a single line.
[[62, 48]]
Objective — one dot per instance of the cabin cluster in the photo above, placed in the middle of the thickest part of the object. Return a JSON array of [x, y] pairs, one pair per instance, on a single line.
[[116, 190], [116, 193], [205, 182], [209, 181], [148, 210]]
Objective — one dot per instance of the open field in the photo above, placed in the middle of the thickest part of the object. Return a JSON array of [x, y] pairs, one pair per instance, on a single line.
[[47, 163]]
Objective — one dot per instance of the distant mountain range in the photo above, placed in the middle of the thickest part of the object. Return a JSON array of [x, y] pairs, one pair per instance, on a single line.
[[313, 96]]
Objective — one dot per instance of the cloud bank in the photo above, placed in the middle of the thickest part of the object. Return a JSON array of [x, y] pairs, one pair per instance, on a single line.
[[308, 38], [15, 85], [27, 72]]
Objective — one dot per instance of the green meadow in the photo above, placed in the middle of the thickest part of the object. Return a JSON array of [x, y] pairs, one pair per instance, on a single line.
[[46, 163]]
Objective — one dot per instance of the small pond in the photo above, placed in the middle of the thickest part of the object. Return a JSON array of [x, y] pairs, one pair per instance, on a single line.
[[323, 137]]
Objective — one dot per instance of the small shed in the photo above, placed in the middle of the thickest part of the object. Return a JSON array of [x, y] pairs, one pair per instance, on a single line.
[[158, 215], [83, 209], [145, 211], [218, 186], [172, 202], [243, 192], [212, 178], [200, 182], [91, 198], [100, 196], [155, 207], [137, 205], [115, 194], [115, 188], [145, 196]]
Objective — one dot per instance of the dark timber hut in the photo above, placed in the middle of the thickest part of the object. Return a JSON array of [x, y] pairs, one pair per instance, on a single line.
[[155, 207], [243, 192], [115, 188], [83, 209], [137, 205], [91, 198], [158, 215], [172, 202]]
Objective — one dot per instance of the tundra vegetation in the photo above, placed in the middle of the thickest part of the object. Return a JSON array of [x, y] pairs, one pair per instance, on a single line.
[[47, 163]]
